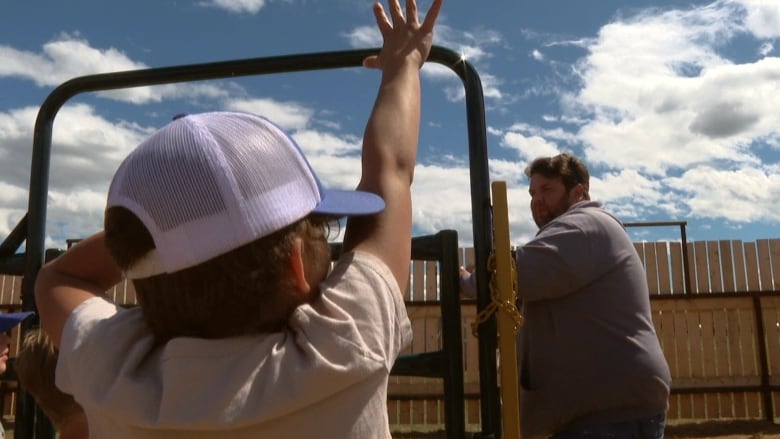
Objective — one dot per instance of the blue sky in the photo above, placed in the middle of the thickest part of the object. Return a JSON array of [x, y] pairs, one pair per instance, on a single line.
[[672, 104]]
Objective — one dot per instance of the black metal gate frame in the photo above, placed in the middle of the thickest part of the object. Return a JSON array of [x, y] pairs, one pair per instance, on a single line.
[[32, 226]]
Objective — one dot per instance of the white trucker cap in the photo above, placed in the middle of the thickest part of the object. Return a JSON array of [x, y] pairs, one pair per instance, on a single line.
[[208, 183]]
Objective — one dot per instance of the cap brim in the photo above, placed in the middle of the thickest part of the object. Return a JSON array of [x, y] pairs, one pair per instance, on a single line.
[[349, 203], [8, 321]]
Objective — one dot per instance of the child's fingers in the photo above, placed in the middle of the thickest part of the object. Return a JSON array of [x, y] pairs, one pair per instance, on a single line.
[[381, 19], [396, 13], [430, 16], [411, 12]]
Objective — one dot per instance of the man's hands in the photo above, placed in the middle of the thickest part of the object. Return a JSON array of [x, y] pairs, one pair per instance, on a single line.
[[404, 39], [468, 282]]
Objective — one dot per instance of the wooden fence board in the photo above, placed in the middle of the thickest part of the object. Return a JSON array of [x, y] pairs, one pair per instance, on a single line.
[[664, 276], [751, 267], [639, 247], [702, 270], [6, 288], [392, 412], [651, 269], [774, 252], [764, 264], [676, 267], [640, 251], [740, 273], [727, 266], [695, 352], [669, 340], [684, 365], [473, 415], [708, 358], [725, 401], [771, 310], [714, 264], [431, 281], [418, 281]]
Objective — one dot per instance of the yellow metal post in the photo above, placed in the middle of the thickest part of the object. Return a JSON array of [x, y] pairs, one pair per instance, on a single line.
[[507, 348]]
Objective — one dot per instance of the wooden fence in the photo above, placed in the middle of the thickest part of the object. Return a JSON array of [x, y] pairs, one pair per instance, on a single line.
[[721, 337]]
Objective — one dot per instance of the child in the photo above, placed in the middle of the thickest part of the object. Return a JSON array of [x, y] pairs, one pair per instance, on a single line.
[[7, 323], [241, 332], [35, 366]]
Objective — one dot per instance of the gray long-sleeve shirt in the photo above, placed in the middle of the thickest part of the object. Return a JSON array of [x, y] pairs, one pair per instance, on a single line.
[[588, 350]]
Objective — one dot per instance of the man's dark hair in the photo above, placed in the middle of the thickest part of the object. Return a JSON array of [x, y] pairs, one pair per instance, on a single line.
[[566, 166]]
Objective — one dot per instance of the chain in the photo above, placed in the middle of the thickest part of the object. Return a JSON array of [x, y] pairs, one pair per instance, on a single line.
[[496, 304]]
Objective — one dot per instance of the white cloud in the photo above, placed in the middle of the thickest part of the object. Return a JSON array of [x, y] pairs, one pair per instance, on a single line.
[[473, 47], [66, 57], [236, 6], [69, 56], [85, 151], [766, 48], [762, 17], [441, 200], [288, 115], [364, 37], [657, 94], [673, 122], [742, 195], [529, 147]]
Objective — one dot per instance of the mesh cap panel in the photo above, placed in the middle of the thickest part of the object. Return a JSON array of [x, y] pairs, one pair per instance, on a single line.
[[159, 180], [208, 183]]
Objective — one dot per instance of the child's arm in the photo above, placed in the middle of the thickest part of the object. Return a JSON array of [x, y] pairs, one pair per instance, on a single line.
[[83, 272], [391, 136]]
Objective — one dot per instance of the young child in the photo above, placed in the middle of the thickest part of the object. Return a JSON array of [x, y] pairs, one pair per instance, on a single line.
[[35, 365], [7, 322], [241, 331]]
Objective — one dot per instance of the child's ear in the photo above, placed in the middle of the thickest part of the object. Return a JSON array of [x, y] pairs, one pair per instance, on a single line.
[[297, 269]]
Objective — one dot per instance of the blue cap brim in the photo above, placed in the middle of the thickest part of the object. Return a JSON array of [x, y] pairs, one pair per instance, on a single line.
[[349, 203], [8, 321]]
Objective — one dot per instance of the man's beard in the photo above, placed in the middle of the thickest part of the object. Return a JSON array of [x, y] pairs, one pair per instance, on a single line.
[[559, 209]]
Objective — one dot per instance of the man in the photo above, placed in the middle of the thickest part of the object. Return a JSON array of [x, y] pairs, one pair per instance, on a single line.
[[241, 331], [35, 367], [590, 361]]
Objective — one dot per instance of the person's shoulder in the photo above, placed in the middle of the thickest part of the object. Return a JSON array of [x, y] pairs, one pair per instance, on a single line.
[[594, 209], [357, 264], [95, 308], [587, 206], [359, 258], [589, 217], [81, 323]]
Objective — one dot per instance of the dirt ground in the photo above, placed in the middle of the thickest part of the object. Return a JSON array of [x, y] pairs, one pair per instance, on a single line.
[[715, 430], [725, 430]]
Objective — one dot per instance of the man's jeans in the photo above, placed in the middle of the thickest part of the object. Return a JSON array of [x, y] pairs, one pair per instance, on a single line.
[[649, 428]]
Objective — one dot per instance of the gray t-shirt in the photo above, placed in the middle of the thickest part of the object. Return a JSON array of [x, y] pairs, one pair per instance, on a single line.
[[588, 348]]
